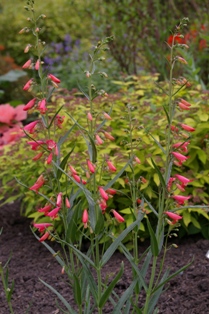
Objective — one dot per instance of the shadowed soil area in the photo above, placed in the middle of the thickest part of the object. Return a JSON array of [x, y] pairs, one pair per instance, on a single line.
[[188, 293]]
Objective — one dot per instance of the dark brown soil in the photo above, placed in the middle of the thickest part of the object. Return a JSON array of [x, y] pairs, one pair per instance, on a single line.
[[187, 293]]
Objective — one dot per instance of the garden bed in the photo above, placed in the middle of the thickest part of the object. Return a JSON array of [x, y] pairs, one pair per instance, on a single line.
[[187, 293]]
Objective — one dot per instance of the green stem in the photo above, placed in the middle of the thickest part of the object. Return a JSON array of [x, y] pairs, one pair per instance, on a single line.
[[149, 292], [99, 275], [6, 289]]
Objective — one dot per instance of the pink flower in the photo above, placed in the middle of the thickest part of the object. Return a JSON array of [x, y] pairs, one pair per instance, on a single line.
[[31, 127], [30, 104], [72, 169], [19, 113], [37, 65], [76, 178], [44, 237], [107, 117], [187, 128], [42, 106], [53, 78], [67, 203], [111, 166], [99, 141], [180, 187], [59, 121], [54, 213], [35, 145], [42, 226], [85, 218], [39, 183], [45, 209], [7, 113], [170, 182], [137, 160], [91, 166], [180, 199], [59, 200], [185, 102], [111, 191], [28, 85], [103, 194], [118, 217], [182, 146], [183, 106], [179, 156], [38, 156], [174, 217], [27, 64], [109, 136], [89, 116], [49, 159], [183, 179], [102, 205]]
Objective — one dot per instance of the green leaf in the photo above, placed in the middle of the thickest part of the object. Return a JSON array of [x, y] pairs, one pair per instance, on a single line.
[[77, 290], [63, 163], [186, 217], [172, 276], [113, 247], [125, 297], [110, 288], [62, 299], [162, 181], [154, 244]]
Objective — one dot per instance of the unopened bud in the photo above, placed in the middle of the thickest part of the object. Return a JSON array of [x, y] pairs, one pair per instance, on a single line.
[[27, 48], [175, 245]]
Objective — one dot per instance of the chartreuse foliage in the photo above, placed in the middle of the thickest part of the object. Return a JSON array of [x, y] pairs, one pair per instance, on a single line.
[[145, 98]]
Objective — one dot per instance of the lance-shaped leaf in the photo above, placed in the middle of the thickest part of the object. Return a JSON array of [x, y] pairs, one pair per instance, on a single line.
[[110, 288], [113, 247], [62, 299], [154, 244]]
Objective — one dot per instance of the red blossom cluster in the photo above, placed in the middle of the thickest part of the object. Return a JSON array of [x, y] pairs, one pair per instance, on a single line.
[[191, 36]]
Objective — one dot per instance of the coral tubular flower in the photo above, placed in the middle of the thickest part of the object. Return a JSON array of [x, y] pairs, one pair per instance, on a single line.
[[137, 160], [89, 116], [35, 145], [49, 159], [180, 199], [111, 166], [179, 156], [54, 213], [45, 209], [103, 194], [186, 103], [180, 187], [85, 218], [76, 178], [30, 127], [107, 116], [44, 237], [30, 104], [187, 128], [99, 141], [28, 85], [59, 200], [27, 65], [182, 60], [38, 156], [182, 146], [39, 183], [174, 217], [37, 65], [111, 191], [183, 179], [109, 136], [59, 121], [67, 203], [42, 226], [91, 166], [53, 78], [183, 106], [72, 169], [117, 216], [42, 106]]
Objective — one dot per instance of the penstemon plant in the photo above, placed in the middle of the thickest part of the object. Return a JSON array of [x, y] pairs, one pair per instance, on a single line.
[[79, 199]]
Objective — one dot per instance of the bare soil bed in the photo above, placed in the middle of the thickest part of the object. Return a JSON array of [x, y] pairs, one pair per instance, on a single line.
[[186, 294]]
